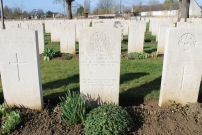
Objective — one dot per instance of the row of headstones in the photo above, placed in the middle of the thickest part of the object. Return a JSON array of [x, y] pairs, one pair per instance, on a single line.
[[67, 32], [34, 25], [100, 50]]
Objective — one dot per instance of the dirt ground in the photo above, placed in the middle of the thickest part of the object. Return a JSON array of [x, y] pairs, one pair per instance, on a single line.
[[149, 119]]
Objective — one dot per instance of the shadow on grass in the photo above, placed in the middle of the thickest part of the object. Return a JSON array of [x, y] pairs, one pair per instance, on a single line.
[[54, 98], [135, 96], [61, 82], [1, 97], [150, 51], [124, 50], [131, 76]]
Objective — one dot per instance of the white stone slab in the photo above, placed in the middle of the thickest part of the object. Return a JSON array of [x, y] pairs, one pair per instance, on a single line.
[[11, 25], [126, 27], [55, 32], [195, 25], [99, 55], [182, 66], [68, 38], [162, 36], [182, 24], [20, 68], [79, 26], [40, 30], [24, 25], [136, 36]]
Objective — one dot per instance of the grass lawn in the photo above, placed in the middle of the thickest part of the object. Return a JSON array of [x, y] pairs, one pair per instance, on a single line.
[[139, 79]]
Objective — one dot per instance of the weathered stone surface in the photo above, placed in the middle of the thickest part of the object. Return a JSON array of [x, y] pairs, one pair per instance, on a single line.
[[40, 30], [182, 66], [20, 68], [136, 36], [68, 38], [99, 54], [162, 36]]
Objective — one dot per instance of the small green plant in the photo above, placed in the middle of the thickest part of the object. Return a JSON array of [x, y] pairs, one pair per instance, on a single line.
[[9, 119], [154, 54], [135, 55], [108, 120], [48, 54], [73, 108], [132, 55], [67, 57]]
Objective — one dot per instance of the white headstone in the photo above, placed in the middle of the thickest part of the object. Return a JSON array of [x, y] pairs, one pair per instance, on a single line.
[[68, 38], [40, 30], [99, 55], [136, 36], [55, 32], [11, 25], [182, 24], [161, 38], [195, 25], [20, 68], [79, 26], [182, 66]]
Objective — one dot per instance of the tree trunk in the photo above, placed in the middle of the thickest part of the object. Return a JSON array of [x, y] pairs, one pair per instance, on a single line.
[[184, 9], [69, 10], [2, 15]]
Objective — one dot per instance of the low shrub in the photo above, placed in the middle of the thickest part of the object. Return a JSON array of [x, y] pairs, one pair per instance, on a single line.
[[67, 56], [135, 55], [73, 108], [9, 119], [48, 54], [108, 120], [154, 54]]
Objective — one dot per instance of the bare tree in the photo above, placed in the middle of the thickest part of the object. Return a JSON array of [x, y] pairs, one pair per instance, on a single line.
[[20, 6], [153, 2], [105, 6], [2, 15], [68, 4], [184, 8], [87, 6], [168, 4]]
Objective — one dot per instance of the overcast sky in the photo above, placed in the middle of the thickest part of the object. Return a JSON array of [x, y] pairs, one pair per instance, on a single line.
[[46, 5]]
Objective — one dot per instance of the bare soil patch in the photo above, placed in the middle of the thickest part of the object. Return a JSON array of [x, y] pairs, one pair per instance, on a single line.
[[149, 119]]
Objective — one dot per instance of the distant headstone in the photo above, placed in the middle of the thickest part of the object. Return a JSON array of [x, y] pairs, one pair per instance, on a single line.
[[118, 24], [68, 38], [182, 24], [79, 26], [195, 25], [99, 55], [55, 32], [11, 25], [40, 30], [136, 36], [182, 66], [24, 25], [162, 37], [20, 68]]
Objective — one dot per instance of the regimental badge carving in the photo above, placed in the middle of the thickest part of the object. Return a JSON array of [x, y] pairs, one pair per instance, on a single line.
[[117, 24], [187, 40], [99, 41], [66, 29]]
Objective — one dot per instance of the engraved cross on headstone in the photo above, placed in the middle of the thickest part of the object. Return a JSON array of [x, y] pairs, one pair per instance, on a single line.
[[17, 63], [183, 76]]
